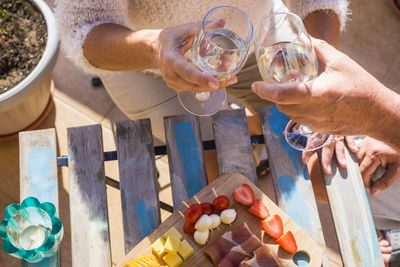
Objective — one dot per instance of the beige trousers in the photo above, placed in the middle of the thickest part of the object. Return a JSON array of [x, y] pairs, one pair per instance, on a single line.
[[145, 95]]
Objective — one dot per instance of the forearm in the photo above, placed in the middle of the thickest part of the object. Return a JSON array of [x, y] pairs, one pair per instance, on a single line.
[[386, 125], [325, 25], [115, 47]]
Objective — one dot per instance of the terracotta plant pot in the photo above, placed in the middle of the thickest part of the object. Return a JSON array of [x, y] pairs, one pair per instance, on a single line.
[[22, 105]]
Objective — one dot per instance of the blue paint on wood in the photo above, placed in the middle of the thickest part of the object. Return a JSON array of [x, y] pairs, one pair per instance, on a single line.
[[375, 245], [40, 169], [295, 205], [359, 238], [278, 122], [189, 155], [147, 218]]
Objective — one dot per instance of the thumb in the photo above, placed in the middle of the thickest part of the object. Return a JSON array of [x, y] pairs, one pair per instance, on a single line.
[[325, 52], [290, 93]]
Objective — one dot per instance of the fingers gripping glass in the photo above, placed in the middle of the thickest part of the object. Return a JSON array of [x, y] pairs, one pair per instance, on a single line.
[[285, 54], [220, 49]]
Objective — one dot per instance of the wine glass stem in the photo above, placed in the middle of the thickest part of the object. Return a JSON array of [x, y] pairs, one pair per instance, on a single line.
[[202, 96]]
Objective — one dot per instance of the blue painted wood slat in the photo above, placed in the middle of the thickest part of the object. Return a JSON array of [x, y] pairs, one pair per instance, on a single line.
[[38, 175], [292, 183], [233, 143], [90, 236], [352, 217], [185, 157], [138, 180]]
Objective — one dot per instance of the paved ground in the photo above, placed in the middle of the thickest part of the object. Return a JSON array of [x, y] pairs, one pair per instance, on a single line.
[[372, 38]]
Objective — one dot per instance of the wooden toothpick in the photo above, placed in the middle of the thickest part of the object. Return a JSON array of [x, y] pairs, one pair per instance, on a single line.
[[197, 200], [215, 193], [180, 212], [184, 203]]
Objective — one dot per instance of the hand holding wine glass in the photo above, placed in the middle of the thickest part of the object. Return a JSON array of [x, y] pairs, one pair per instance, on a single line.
[[179, 74], [285, 55], [219, 49]]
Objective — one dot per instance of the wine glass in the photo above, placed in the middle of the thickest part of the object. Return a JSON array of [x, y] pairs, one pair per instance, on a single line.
[[285, 54], [220, 48]]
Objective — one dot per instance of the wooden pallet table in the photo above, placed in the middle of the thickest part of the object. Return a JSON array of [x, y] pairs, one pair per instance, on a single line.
[[139, 191]]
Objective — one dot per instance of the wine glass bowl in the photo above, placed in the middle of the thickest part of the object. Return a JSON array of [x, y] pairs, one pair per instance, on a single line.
[[220, 48], [285, 54]]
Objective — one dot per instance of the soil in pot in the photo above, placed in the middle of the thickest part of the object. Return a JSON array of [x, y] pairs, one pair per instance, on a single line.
[[22, 41]]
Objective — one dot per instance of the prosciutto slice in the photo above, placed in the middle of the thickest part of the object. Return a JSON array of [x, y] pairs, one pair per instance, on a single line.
[[262, 258], [240, 252], [226, 242]]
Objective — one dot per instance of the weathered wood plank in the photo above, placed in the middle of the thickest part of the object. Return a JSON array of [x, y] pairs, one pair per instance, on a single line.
[[232, 140], [292, 183], [185, 157], [90, 238], [38, 174], [352, 217], [138, 180]]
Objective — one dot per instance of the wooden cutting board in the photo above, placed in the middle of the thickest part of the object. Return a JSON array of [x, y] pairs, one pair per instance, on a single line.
[[225, 185]]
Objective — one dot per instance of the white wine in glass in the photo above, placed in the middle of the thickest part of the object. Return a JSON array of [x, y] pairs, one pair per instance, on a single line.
[[220, 51], [285, 54]]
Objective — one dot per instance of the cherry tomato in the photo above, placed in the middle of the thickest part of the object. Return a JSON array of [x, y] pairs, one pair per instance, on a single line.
[[207, 208], [188, 228], [221, 203], [193, 213]]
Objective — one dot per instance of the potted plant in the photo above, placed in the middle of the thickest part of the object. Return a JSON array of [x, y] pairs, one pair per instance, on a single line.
[[29, 45]]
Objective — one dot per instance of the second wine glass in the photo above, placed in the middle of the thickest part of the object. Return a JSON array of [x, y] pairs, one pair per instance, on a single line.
[[285, 54], [220, 49]]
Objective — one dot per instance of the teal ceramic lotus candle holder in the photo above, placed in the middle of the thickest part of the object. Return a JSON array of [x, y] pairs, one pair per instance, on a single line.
[[31, 231]]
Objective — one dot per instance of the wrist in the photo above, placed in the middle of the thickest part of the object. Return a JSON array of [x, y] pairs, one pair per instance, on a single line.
[[149, 40], [386, 126]]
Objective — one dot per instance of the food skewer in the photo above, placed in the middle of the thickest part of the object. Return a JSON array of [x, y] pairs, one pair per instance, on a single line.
[[214, 192], [197, 200], [186, 204]]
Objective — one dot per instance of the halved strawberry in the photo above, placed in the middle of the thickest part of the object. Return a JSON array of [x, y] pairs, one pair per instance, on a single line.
[[287, 242], [259, 209], [244, 195], [273, 226]]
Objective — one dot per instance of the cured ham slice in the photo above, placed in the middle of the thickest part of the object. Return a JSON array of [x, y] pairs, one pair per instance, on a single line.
[[240, 252], [263, 257], [226, 242]]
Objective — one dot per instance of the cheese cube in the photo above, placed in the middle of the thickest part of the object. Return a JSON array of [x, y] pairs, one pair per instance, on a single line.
[[172, 245], [185, 250], [144, 260], [158, 247], [172, 260], [173, 233]]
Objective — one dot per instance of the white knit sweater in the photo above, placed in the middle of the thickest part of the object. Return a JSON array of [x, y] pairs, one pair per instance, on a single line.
[[76, 18]]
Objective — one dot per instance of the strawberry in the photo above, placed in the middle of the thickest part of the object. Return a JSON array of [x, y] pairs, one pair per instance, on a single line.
[[287, 242], [244, 195], [259, 209], [273, 226]]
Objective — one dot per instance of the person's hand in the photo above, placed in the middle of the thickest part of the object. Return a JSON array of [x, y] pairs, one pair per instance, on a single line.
[[342, 100], [336, 145], [372, 154], [179, 74]]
